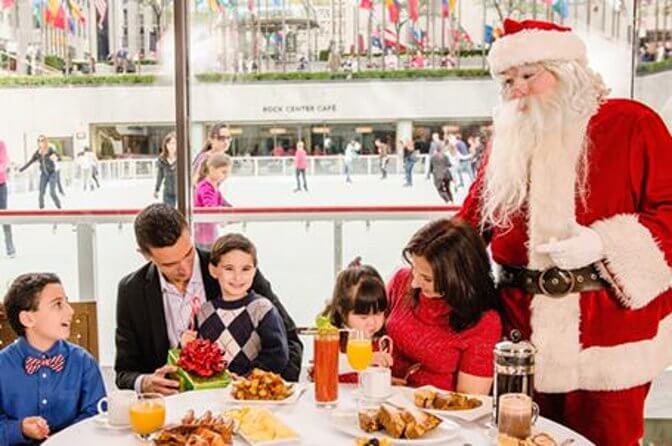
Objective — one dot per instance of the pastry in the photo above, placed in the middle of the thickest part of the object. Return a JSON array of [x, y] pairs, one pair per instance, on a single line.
[[368, 421], [390, 418]]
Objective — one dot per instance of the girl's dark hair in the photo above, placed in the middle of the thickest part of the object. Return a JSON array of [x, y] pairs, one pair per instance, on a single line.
[[460, 268], [359, 289], [164, 144], [232, 242], [212, 134]]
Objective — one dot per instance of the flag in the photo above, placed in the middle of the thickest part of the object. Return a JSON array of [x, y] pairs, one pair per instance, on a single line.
[[59, 20], [101, 7], [6, 4], [366, 4], [37, 12], [393, 10], [413, 10], [375, 39], [562, 8], [488, 34], [250, 5], [76, 12], [445, 9], [418, 36]]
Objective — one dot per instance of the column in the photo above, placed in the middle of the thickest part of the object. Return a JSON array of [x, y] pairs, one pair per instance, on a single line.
[[404, 132]]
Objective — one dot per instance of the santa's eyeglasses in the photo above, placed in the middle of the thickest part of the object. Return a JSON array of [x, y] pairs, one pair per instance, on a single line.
[[526, 74]]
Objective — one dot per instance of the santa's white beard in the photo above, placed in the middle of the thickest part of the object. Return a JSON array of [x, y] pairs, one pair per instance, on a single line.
[[535, 156]]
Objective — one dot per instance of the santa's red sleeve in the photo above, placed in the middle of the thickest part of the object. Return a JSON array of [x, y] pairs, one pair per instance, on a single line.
[[471, 209], [638, 246]]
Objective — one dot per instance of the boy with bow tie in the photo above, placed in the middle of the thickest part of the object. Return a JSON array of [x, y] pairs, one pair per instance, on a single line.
[[46, 383]]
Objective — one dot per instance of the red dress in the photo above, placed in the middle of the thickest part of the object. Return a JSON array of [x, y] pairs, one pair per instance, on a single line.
[[421, 334]]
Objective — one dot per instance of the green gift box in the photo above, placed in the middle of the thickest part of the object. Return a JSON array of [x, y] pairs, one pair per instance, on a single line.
[[189, 381]]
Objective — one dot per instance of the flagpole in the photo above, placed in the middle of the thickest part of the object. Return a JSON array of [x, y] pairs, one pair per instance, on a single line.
[[284, 40], [356, 41], [382, 35], [427, 46], [369, 34], [431, 37], [443, 31], [266, 36], [459, 32], [257, 44]]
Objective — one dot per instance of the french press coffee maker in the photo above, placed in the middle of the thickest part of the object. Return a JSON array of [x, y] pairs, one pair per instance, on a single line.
[[514, 369]]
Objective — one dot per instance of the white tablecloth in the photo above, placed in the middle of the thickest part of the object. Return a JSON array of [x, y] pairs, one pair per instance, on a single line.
[[304, 417]]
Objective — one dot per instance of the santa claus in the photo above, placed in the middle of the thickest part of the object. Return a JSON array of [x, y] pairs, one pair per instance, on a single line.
[[575, 197]]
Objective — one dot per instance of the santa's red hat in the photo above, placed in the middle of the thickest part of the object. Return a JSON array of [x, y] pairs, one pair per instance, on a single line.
[[533, 41]]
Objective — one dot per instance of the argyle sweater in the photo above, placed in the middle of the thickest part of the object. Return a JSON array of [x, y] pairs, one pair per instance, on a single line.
[[249, 331]]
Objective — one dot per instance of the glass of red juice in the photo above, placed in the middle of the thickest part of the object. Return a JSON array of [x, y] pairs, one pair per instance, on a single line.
[[326, 368]]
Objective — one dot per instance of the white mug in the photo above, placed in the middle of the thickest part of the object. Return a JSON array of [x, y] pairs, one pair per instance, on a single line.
[[376, 382], [118, 406]]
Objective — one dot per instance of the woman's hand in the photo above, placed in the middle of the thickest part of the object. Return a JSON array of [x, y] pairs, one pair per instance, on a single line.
[[382, 359]]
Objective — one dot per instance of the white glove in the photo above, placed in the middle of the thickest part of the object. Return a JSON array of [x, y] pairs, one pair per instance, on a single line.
[[580, 250]]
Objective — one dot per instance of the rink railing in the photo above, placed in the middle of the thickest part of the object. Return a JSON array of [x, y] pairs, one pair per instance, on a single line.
[[86, 220], [145, 168]]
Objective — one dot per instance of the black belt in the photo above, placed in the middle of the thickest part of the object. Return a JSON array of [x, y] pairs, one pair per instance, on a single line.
[[553, 282]]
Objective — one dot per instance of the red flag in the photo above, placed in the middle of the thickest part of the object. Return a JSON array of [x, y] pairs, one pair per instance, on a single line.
[[250, 5], [393, 10], [59, 20], [366, 4], [6, 4], [413, 10]]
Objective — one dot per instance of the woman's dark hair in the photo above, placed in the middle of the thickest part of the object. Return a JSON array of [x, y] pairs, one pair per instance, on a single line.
[[24, 295], [359, 289], [164, 144], [461, 269], [212, 134], [158, 226], [232, 242]]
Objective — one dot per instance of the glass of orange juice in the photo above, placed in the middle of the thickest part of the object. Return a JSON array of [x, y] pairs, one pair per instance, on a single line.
[[359, 350], [148, 414]]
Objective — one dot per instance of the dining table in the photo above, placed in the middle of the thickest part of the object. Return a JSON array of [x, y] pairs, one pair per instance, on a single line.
[[314, 425]]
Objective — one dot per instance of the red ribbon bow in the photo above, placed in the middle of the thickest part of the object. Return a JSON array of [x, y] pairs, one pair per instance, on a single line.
[[56, 363]]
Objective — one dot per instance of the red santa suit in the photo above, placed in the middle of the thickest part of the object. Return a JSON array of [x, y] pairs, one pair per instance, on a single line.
[[598, 350]]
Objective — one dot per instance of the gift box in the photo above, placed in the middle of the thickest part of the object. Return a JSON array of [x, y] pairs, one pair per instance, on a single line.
[[191, 381]]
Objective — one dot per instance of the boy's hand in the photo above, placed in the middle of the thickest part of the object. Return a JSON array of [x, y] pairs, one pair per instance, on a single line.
[[187, 337], [35, 428], [382, 359]]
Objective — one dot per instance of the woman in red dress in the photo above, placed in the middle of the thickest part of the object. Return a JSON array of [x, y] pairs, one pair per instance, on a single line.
[[443, 314]]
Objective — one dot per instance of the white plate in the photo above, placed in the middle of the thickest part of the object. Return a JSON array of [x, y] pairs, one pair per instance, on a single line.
[[270, 442], [405, 396], [291, 399], [348, 423], [102, 421]]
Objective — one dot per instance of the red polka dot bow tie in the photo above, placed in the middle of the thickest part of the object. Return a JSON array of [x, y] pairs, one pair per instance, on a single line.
[[55, 363]]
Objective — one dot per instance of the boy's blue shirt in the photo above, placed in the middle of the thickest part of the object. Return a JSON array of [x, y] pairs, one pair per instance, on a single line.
[[62, 398]]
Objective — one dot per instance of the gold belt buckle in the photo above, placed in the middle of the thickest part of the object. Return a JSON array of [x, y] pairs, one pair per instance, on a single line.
[[556, 282]]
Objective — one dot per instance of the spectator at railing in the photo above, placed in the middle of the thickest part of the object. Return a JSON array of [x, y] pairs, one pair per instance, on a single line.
[[4, 168], [219, 141], [165, 170]]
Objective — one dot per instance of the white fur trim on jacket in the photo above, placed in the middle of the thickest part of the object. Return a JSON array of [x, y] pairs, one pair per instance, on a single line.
[[562, 365], [634, 263], [535, 45]]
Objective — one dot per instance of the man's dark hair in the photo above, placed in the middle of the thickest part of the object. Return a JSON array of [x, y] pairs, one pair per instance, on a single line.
[[24, 295], [157, 226]]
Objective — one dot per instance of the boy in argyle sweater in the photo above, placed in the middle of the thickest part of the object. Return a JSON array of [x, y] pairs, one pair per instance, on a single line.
[[46, 383], [246, 325]]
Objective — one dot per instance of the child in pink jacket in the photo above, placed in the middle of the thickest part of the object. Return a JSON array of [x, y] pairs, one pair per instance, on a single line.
[[214, 171], [300, 165]]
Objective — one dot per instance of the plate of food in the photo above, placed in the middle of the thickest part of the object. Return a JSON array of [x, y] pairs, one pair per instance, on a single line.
[[398, 425], [265, 388], [260, 427], [207, 430], [444, 403]]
